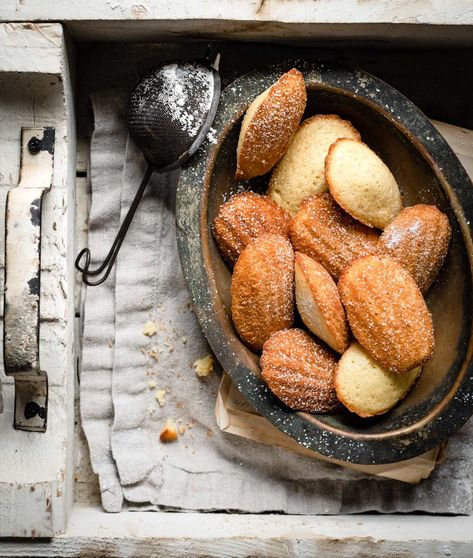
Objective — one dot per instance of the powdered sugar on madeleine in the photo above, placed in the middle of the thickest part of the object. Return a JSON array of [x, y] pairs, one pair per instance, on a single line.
[[243, 218], [418, 239], [326, 233], [263, 289], [387, 313], [269, 125], [300, 371]]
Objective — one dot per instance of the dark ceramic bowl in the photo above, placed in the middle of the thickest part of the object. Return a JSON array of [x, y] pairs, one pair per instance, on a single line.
[[427, 171]]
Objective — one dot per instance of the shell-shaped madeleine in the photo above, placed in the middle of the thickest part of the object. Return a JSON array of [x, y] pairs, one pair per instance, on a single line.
[[318, 303], [326, 233], [361, 183], [418, 239], [301, 171], [243, 218], [365, 387], [387, 313], [263, 289], [269, 124], [300, 371]]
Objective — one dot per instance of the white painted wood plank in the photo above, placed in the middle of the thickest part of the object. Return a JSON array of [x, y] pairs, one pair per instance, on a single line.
[[36, 462], [457, 12], [93, 533], [82, 231], [27, 47], [28, 504]]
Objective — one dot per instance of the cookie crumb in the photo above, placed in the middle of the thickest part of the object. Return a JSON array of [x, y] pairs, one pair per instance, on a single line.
[[153, 353], [150, 328], [160, 396], [204, 366], [169, 432], [152, 384]]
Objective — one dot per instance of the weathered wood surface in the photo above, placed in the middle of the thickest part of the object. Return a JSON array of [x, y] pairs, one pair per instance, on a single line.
[[92, 533], [36, 91], [260, 20], [453, 12]]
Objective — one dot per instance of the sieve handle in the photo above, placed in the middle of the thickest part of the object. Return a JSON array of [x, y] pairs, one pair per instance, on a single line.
[[106, 267]]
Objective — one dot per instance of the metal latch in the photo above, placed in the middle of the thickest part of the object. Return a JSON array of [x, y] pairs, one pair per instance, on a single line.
[[22, 279]]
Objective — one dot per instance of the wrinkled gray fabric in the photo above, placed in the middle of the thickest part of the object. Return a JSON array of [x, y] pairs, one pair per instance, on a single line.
[[96, 406], [205, 469]]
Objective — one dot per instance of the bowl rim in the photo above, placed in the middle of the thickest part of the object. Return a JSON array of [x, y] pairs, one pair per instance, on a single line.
[[191, 207]]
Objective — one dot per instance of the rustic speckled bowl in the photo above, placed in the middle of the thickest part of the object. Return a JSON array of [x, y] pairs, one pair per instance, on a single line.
[[427, 171]]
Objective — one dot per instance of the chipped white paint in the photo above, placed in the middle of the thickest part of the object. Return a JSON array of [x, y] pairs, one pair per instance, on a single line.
[[39, 94]]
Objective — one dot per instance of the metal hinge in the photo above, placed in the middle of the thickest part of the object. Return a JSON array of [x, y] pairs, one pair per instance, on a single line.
[[23, 279]]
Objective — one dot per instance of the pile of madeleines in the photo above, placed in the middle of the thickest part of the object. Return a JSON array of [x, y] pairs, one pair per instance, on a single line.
[[332, 240]]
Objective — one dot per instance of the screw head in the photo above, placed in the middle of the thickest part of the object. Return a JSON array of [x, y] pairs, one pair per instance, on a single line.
[[34, 145], [31, 409]]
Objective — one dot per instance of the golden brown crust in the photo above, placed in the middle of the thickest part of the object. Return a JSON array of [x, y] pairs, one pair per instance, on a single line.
[[263, 289], [323, 231], [387, 313], [264, 139], [418, 239], [243, 218], [300, 371], [323, 314]]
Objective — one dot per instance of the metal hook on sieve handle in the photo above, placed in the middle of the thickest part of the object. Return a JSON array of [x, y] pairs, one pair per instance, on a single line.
[[107, 264]]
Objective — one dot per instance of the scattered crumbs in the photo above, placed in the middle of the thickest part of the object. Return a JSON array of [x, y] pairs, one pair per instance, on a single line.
[[153, 353], [169, 432], [181, 430], [110, 344], [184, 340], [160, 396], [190, 424], [143, 350], [204, 366], [209, 433], [152, 384], [150, 328], [170, 347]]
